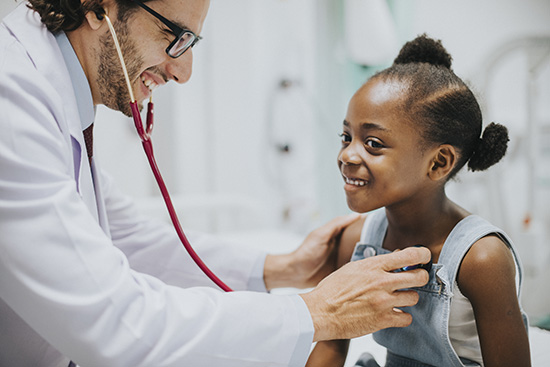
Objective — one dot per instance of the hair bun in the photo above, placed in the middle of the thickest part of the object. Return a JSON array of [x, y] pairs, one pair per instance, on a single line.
[[424, 49], [491, 147]]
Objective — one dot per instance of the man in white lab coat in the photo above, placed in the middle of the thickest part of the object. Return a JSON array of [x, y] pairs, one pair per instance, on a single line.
[[83, 278]]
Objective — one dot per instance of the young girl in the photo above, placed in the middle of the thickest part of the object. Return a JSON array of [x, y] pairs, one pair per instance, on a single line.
[[408, 130]]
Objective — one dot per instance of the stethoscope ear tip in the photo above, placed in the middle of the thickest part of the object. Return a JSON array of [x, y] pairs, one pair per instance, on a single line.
[[100, 15]]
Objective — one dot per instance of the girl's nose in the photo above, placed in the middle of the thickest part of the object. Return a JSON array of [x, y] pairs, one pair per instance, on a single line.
[[349, 154]]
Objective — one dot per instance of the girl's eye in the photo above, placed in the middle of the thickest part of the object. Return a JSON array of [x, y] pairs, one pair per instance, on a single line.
[[345, 138], [373, 143]]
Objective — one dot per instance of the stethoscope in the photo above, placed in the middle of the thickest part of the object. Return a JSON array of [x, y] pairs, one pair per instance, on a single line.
[[145, 135]]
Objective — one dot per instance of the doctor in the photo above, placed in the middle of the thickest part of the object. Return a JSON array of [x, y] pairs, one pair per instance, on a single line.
[[84, 279]]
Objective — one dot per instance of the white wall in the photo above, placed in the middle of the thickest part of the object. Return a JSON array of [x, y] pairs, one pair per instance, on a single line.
[[6, 6]]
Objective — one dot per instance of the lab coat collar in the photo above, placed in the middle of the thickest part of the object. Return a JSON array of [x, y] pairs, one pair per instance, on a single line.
[[82, 91], [44, 52]]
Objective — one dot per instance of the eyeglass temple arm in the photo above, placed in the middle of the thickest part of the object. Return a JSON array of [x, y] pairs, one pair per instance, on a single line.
[[176, 29]]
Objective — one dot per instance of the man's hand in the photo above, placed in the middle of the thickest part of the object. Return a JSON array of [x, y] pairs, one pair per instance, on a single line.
[[312, 261], [362, 296]]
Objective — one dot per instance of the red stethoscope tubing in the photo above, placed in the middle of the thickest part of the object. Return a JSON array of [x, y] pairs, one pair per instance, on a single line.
[[145, 135]]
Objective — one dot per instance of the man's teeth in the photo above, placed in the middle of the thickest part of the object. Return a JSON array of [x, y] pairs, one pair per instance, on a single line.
[[149, 83], [356, 182]]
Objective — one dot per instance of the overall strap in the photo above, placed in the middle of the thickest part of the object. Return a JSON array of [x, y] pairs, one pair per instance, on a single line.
[[374, 229], [467, 232]]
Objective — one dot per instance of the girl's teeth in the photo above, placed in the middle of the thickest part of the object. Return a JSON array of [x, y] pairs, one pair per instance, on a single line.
[[356, 182]]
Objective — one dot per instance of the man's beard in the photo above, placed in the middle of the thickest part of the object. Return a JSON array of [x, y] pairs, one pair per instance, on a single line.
[[112, 84]]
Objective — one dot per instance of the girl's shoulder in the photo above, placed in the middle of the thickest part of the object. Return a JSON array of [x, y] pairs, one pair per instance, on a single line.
[[489, 262]]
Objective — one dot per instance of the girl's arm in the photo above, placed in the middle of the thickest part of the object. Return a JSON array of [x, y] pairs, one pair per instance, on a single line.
[[487, 279], [333, 353], [330, 353]]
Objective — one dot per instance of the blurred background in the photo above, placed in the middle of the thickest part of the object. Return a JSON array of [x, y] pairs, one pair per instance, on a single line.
[[248, 147]]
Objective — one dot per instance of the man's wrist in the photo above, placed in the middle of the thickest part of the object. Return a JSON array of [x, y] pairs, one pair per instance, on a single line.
[[319, 317], [278, 272]]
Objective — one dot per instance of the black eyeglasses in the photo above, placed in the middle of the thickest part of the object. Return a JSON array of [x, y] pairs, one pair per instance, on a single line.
[[185, 39]]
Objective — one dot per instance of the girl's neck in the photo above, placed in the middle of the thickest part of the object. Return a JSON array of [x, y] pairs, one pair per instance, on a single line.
[[427, 224]]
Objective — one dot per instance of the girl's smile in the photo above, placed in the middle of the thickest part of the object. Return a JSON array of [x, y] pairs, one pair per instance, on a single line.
[[354, 182]]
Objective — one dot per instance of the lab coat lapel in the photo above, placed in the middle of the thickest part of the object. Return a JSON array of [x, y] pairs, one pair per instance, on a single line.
[[100, 199], [44, 51]]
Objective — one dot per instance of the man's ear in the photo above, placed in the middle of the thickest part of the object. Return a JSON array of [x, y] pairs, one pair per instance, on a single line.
[[96, 16], [95, 19], [443, 162]]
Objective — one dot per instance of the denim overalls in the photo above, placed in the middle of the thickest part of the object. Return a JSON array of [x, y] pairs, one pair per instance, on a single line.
[[426, 341]]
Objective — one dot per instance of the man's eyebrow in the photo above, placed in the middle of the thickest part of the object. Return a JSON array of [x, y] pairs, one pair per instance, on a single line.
[[181, 25], [369, 126], [176, 23]]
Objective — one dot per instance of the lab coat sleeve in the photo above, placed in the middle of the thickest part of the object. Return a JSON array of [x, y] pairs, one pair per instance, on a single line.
[[63, 276], [153, 247]]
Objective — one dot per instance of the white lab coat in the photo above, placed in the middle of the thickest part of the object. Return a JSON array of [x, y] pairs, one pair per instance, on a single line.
[[82, 277]]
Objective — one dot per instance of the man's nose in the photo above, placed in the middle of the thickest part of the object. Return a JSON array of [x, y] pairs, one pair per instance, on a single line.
[[180, 69]]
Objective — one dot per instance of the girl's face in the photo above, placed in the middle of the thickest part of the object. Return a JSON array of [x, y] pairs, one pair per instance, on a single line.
[[383, 160]]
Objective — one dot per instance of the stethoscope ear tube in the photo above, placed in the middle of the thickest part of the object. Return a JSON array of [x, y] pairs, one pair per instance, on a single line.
[[145, 136]]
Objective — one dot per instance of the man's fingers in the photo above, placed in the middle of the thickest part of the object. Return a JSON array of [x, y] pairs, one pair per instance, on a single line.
[[399, 318], [407, 257], [336, 225], [405, 298], [366, 295], [410, 279]]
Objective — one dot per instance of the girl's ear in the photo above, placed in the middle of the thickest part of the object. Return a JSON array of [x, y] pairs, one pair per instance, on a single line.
[[443, 162]]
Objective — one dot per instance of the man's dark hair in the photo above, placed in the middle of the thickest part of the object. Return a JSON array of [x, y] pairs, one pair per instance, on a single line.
[[68, 15]]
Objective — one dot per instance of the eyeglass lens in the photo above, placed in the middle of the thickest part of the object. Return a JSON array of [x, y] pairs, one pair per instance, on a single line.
[[187, 40]]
